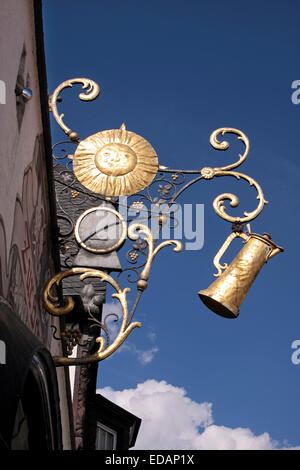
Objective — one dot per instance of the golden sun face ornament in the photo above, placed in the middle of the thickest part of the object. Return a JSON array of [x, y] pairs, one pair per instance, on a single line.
[[115, 162]]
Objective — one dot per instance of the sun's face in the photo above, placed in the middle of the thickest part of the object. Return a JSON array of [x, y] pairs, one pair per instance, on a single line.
[[115, 162], [116, 159]]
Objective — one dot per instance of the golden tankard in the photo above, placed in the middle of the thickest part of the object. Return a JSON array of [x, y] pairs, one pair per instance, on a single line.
[[225, 295]]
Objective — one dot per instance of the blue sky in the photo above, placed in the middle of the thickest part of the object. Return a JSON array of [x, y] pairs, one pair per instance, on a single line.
[[174, 71]]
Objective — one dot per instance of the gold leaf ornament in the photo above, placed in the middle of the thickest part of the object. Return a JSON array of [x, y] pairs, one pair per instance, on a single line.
[[115, 162]]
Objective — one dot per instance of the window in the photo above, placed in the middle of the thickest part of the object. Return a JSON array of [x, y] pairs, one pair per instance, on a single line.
[[108, 426], [106, 438]]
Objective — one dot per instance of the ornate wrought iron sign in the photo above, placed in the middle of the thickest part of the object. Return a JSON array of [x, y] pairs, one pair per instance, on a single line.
[[117, 162]]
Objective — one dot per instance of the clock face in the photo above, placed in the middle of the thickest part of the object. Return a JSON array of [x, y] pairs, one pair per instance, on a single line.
[[100, 230]]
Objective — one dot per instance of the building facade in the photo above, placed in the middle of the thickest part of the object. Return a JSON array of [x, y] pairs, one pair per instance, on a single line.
[[41, 406]]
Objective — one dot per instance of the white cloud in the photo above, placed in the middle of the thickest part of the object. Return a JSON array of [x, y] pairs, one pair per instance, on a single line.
[[225, 438], [110, 310], [145, 356], [171, 420]]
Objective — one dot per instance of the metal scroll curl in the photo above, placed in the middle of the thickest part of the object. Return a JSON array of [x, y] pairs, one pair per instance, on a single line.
[[54, 306], [134, 232], [209, 173], [172, 189], [92, 91]]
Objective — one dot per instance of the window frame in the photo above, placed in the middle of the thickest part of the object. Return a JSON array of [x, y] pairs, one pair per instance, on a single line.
[[109, 430]]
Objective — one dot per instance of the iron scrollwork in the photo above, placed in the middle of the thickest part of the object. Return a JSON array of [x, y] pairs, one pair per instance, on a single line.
[[105, 349], [162, 192], [92, 91]]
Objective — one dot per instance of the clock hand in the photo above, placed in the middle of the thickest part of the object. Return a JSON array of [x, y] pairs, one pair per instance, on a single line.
[[105, 227], [94, 233]]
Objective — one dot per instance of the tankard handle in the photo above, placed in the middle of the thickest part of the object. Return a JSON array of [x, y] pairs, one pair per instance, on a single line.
[[224, 247]]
